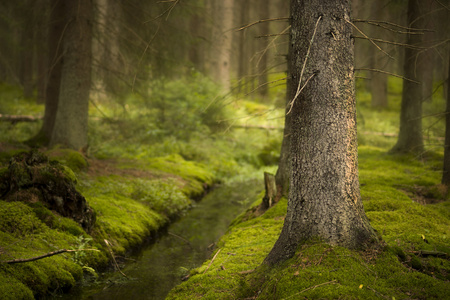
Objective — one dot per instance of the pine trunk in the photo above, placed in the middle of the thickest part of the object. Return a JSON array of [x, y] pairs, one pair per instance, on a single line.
[[324, 197], [71, 120]]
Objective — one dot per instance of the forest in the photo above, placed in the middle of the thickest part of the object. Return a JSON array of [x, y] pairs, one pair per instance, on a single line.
[[224, 149]]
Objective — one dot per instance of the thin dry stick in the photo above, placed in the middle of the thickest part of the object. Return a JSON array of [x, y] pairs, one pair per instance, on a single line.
[[392, 43], [300, 88], [389, 23], [271, 43], [313, 287], [215, 255], [371, 40], [264, 84], [385, 72], [261, 21], [114, 259], [18, 260]]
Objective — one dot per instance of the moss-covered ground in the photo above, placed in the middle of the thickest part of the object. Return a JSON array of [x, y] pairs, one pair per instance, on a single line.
[[139, 174], [136, 176], [404, 202]]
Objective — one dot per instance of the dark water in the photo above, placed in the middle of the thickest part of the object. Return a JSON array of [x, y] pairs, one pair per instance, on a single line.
[[189, 242]]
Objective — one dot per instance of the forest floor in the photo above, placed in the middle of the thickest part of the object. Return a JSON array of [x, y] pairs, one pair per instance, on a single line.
[[138, 180]]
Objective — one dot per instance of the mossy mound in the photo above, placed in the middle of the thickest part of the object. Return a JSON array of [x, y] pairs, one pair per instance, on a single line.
[[32, 178]]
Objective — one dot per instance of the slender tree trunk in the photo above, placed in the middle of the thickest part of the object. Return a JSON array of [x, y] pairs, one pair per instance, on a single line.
[[324, 197], [410, 135], [26, 55], [264, 50], [57, 24], [222, 42], [72, 115], [41, 50], [446, 172]]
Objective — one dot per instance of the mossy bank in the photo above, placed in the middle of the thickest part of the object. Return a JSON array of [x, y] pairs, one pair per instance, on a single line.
[[132, 200], [412, 264]]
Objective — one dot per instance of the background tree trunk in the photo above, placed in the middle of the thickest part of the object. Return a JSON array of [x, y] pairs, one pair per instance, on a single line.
[[446, 171], [72, 114], [324, 197], [410, 137], [222, 11]]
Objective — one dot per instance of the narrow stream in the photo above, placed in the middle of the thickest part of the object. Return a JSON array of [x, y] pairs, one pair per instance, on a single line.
[[189, 242]]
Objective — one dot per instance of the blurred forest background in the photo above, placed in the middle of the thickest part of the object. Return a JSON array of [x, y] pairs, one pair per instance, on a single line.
[[148, 71]]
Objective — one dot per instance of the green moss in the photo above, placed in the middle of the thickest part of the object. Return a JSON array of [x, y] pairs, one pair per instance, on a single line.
[[68, 157]]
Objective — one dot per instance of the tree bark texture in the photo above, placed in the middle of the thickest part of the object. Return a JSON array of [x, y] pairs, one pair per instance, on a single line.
[[324, 196], [410, 137], [72, 114]]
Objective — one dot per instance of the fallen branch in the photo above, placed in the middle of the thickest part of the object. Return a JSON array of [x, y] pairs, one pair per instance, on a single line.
[[113, 258], [425, 253], [313, 287], [258, 127], [19, 118], [19, 260], [215, 255]]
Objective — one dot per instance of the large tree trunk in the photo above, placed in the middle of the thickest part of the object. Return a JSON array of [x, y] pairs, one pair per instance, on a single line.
[[410, 135], [324, 197], [72, 114]]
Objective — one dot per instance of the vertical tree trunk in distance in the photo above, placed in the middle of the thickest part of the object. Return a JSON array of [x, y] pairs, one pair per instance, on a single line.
[[410, 135], [283, 175], [72, 114], [446, 171], [263, 51], [378, 81], [222, 41], [57, 23], [26, 53], [324, 197]]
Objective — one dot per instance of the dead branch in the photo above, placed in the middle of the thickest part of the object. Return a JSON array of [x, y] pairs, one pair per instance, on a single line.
[[108, 244], [258, 127], [19, 118], [391, 43], [261, 21], [385, 72], [300, 87], [19, 260], [215, 255], [409, 29], [371, 40], [313, 287]]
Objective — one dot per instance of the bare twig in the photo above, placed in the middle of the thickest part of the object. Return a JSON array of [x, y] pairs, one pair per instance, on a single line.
[[313, 287], [17, 260], [385, 72], [108, 244], [300, 87], [214, 257], [261, 21], [391, 24], [370, 39], [390, 42], [264, 84]]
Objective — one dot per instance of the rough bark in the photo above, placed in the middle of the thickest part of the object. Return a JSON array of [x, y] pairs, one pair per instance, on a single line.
[[72, 114], [324, 197], [410, 135]]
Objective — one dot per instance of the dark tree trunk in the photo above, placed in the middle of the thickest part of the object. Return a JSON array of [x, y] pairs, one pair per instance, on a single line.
[[446, 172], [410, 137], [54, 64], [324, 197], [71, 120], [263, 52]]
